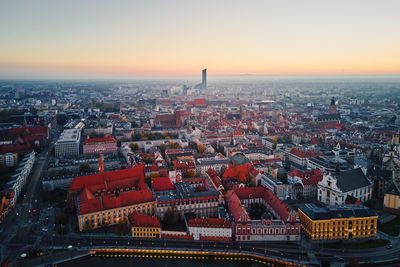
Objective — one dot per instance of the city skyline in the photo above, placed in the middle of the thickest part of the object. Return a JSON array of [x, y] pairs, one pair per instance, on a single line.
[[132, 39]]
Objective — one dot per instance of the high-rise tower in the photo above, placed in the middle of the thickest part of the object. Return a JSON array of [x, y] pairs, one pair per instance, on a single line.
[[332, 107], [204, 79]]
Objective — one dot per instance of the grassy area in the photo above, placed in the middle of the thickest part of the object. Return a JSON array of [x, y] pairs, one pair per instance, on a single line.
[[392, 227], [372, 243]]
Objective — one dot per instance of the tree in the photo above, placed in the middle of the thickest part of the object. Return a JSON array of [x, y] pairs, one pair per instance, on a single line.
[[85, 167], [190, 174], [63, 172], [134, 124], [173, 145], [134, 147], [61, 218], [122, 228], [275, 142], [201, 148], [150, 177]]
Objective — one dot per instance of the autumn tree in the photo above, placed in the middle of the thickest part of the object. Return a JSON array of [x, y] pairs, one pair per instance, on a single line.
[[134, 147], [201, 148], [275, 142], [190, 174], [173, 145]]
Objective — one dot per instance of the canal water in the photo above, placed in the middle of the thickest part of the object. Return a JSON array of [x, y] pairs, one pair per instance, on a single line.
[[120, 262]]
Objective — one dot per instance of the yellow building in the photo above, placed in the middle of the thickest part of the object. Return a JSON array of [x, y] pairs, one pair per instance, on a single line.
[[391, 201], [338, 222], [144, 226], [113, 216]]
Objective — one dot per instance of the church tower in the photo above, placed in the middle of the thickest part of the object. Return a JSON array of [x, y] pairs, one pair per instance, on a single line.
[[101, 164], [332, 107]]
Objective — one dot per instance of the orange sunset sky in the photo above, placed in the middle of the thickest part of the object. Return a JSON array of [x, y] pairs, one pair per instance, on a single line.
[[178, 38]]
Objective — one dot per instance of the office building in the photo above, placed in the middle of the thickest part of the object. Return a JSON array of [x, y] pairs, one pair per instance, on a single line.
[[68, 143]]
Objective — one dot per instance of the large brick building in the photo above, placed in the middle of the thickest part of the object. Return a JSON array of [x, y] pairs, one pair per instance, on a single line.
[[100, 145], [109, 197], [280, 223]]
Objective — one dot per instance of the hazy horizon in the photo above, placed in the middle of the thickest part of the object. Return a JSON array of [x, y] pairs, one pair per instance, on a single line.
[[75, 39]]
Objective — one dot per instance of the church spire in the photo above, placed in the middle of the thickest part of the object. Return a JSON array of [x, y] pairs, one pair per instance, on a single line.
[[101, 164]]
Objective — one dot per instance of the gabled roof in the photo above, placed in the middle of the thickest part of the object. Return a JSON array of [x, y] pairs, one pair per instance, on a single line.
[[137, 219], [351, 180], [234, 205], [134, 173], [393, 189], [281, 209]]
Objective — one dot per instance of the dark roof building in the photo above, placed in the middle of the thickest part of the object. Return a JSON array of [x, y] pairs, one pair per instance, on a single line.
[[335, 212]]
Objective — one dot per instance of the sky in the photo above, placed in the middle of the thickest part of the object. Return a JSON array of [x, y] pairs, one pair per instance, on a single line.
[[55, 38]]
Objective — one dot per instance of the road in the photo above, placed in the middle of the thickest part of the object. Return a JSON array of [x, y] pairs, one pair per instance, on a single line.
[[20, 221], [294, 251]]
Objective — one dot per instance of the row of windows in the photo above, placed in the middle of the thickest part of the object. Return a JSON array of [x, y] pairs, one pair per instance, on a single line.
[[146, 229], [345, 234], [118, 213], [189, 202]]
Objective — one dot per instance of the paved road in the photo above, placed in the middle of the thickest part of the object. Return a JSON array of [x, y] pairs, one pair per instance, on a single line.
[[290, 251], [19, 222]]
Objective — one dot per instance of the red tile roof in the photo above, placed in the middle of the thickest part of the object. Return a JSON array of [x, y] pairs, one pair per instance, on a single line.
[[98, 192], [307, 177], [304, 154], [105, 139], [34, 130], [281, 209], [15, 148], [214, 177], [235, 206], [162, 184], [135, 174], [210, 223], [137, 219], [200, 102], [107, 202]]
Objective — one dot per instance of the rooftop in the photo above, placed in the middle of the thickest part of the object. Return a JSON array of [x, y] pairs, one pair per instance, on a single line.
[[335, 212]]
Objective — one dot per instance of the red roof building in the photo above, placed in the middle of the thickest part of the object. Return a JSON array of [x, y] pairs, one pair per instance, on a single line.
[[300, 156], [100, 145], [210, 229], [169, 120], [285, 225], [162, 184], [110, 196], [137, 219], [215, 178]]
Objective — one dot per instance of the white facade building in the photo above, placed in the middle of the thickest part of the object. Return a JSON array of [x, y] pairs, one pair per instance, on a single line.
[[9, 159], [68, 143], [209, 228], [18, 180], [334, 188]]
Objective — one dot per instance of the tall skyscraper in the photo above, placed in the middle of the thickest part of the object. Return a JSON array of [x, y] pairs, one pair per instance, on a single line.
[[204, 79]]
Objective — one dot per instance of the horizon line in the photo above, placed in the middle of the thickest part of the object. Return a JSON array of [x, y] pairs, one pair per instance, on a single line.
[[242, 75]]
